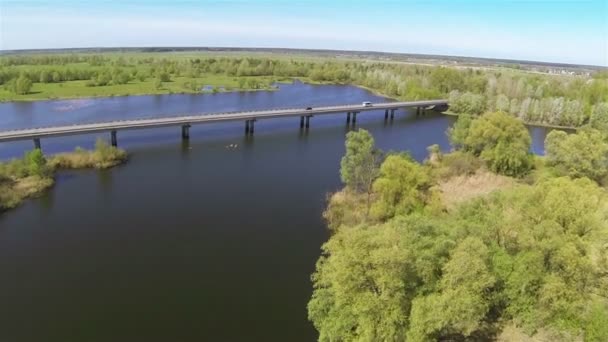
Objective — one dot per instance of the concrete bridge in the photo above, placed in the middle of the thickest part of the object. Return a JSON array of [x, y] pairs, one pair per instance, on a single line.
[[250, 117]]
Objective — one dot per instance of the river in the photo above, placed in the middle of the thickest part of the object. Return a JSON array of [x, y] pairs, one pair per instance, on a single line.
[[185, 242]]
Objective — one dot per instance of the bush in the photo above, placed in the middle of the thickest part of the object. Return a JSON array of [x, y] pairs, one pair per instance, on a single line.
[[501, 140], [467, 103], [584, 154], [104, 156], [22, 85], [458, 163]]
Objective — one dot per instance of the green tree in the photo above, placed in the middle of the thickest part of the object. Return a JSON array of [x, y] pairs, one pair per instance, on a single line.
[[459, 132], [141, 76], [599, 117], [158, 84], [164, 76], [467, 103], [360, 289], [242, 82], [464, 300], [583, 154], [22, 85], [399, 188], [367, 277], [45, 77], [36, 163], [597, 324], [502, 141], [359, 166], [120, 77], [103, 78], [56, 77]]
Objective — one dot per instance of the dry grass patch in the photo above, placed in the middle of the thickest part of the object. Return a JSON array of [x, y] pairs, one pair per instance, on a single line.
[[346, 208], [459, 189], [512, 333], [102, 157], [14, 191]]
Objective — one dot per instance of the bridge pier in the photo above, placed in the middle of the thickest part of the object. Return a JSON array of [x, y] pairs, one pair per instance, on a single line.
[[185, 132], [392, 114], [355, 118], [37, 144], [113, 139], [308, 121], [386, 114], [301, 121], [251, 126], [348, 118], [417, 111]]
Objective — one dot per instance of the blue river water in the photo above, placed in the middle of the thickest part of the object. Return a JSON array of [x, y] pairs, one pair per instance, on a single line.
[[214, 239]]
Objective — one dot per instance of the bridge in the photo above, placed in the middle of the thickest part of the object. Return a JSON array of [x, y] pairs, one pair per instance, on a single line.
[[250, 117]]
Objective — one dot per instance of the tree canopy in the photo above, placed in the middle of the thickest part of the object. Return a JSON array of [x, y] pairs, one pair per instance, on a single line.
[[566, 100], [501, 140], [359, 166], [583, 154], [532, 255]]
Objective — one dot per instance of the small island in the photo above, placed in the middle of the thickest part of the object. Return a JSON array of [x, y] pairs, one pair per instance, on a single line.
[[34, 173]]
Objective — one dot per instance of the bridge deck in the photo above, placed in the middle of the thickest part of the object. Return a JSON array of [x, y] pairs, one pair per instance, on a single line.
[[33, 133]]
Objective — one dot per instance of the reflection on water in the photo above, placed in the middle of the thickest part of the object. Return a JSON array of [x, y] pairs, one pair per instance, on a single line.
[[72, 105]]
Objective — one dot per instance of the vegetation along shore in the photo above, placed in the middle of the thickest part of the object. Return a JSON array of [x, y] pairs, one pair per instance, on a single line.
[[34, 173], [564, 100], [487, 242]]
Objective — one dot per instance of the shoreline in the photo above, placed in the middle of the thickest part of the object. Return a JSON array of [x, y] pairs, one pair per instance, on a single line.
[[450, 113], [531, 124], [16, 188], [300, 79], [95, 97]]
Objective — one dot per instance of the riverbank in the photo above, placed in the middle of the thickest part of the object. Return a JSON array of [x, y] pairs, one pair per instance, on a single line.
[[567, 103], [414, 244], [451, 113], [207, 84], [531, 124], [32, 175]]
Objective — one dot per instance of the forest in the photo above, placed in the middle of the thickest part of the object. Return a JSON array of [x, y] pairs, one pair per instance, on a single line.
[[536, 98], [486, 242]]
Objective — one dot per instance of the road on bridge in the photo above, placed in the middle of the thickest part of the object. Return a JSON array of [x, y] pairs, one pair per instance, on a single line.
[[187, 120]]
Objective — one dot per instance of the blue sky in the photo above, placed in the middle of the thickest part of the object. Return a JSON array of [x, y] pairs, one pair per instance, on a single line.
[[556, 31]]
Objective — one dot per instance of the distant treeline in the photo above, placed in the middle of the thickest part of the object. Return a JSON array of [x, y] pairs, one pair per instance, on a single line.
[[564, 100]]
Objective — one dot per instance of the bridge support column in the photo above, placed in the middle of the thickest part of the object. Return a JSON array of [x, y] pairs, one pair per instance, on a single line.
[[308, 121], [386, 114], [186, 132], [251, 127], [301, 122], [355, 118], [113, 138], [392, 114], [417, 111], [348, 118], [37, 143], [246, 127]]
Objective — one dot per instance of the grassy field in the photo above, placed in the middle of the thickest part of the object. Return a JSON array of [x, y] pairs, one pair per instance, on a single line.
[[78, 89], [147, 63]]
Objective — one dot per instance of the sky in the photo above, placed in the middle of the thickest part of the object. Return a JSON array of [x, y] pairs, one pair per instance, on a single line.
[[566, 31]]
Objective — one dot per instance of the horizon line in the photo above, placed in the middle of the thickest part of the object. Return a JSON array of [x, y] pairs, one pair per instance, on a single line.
[[220, 48]]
